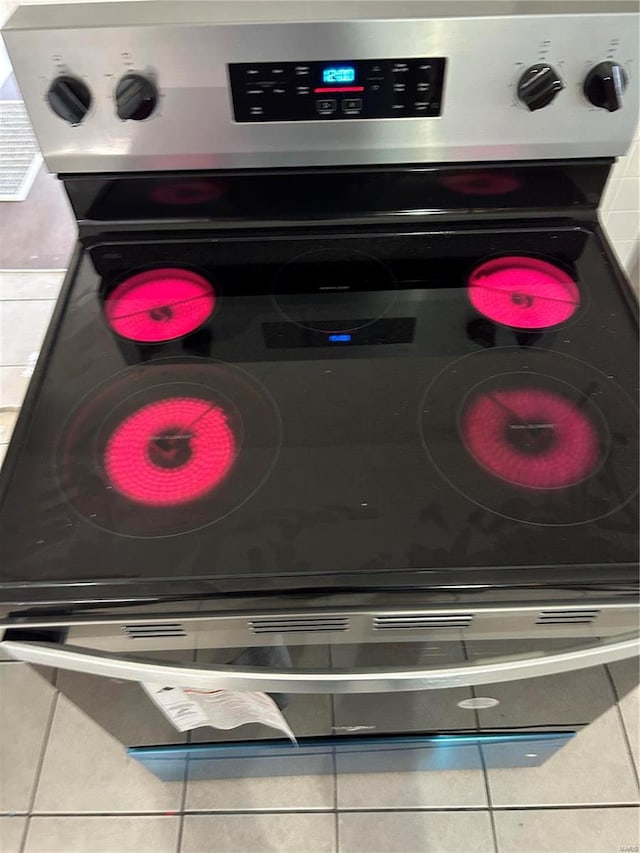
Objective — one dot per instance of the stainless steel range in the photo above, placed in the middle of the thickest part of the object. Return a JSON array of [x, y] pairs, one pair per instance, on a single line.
[[339, 394]]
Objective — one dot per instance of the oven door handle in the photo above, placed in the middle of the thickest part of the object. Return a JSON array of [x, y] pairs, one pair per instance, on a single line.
[[319, 681]]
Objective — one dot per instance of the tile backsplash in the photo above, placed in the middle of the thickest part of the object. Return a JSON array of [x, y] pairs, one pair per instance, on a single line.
[[620, 208]]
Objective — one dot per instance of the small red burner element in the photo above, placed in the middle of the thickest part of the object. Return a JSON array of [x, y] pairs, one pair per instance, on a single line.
[[525, 293], [531, 437], [159, 305], [170, 452]]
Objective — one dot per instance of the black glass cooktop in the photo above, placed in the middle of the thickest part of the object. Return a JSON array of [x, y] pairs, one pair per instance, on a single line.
[[335, 406]]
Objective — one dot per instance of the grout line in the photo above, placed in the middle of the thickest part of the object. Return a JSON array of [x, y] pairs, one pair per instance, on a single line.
[[183, 802], [39, 766], [625, 733], [185, 779], [487, 786], [35, 270], [350, 810], [28, 298], [334, 761], [485, 773]]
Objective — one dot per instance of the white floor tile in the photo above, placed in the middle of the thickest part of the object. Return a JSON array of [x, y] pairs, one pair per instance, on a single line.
[[102, 835], [626, 678], [8, 418], [25, 705], [14, 382], [87, 770], [11, 833], [567, 830], [415, 832], [272, 833], [22, 329], [594, 768], [30, 284]]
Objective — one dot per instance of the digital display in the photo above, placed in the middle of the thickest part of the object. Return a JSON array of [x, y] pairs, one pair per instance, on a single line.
[[339, 74]]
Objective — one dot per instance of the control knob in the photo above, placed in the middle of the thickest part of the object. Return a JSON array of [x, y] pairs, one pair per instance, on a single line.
[[604, 85], [136, 97], [539, 85], [69, 98]]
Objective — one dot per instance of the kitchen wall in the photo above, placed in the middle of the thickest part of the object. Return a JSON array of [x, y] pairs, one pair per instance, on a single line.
[[620, 205]]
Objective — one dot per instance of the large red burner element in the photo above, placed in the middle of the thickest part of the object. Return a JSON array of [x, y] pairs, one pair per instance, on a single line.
[[170, 452], [160, 305], [531, 437], [525, 293]]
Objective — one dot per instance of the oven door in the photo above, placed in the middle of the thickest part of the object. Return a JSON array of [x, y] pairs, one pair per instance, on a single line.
[[393, 705]]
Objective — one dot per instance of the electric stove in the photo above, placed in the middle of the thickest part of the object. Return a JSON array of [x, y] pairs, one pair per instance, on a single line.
[[343, 358]]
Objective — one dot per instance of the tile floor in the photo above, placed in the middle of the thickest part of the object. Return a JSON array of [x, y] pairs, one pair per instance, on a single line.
[[66, 785]]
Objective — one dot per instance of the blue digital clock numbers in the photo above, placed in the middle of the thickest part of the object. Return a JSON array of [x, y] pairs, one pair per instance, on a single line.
[[339, 74]]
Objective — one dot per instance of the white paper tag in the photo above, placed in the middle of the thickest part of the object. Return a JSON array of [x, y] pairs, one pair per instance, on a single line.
[[183, 712], [188, 708]]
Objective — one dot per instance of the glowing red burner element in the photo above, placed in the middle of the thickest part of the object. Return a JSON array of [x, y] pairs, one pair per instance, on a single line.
[[531, 437], [160, 305], [170, 452], [522, 292]]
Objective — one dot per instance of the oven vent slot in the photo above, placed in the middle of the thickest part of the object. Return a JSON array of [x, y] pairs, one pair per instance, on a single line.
[[155, 629], [298, 624], [409, 621], [566, 617]]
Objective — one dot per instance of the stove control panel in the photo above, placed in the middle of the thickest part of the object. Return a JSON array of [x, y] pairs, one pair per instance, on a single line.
[[337, 90], [205, 84]]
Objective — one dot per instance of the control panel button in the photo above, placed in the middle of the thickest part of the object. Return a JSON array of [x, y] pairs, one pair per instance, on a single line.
[[351, 105], [326, 106]]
